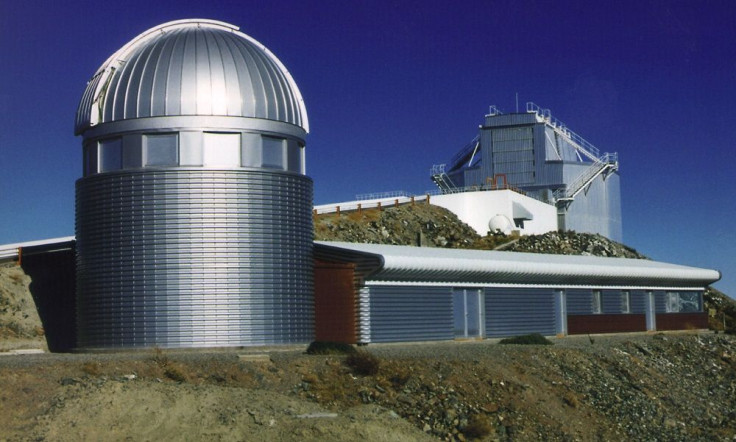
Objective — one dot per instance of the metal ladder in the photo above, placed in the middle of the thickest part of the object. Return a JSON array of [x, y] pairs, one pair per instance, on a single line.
[[441, 179]]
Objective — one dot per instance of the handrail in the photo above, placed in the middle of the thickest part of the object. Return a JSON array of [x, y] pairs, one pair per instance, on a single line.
[[578, 142], [608, 160], [382, 195]]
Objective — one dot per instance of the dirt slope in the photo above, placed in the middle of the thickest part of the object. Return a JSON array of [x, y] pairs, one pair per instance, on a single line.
[[673, 387], [20, 325]]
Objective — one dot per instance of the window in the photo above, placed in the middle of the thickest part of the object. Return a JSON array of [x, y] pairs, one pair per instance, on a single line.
[[221, 149], [90, 159], [273, 152], [672, 302], [687, 302], [625, 301], [161, 150], [110, 155], [597, 305], [294, 157]]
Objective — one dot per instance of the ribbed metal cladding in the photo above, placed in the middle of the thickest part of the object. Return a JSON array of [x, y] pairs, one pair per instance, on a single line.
[[512, 312], [191, 67], [409, 313], [194, 258]]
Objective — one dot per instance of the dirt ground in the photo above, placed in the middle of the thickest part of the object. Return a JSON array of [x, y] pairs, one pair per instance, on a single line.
[[632, 387]]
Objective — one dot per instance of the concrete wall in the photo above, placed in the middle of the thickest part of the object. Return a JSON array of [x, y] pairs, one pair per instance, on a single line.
[[477, 208]]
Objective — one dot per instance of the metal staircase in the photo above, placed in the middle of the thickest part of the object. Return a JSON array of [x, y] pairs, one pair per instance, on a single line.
[[442, 180], [607, 162]]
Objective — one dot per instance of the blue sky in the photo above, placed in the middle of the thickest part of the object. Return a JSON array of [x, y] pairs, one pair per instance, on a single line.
[[393, 87]]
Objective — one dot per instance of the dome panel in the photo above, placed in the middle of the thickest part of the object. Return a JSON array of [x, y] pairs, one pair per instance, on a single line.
[[191, 67]]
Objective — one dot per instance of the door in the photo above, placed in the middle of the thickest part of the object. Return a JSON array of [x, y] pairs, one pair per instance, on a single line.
[[468, 313]]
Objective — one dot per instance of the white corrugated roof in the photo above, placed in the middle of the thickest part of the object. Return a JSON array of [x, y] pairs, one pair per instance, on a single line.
[[10, 251], [402, 263]]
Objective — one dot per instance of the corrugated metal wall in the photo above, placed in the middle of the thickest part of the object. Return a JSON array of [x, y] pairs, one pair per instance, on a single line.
[[192, 257], [512, 312], [579, 301], [638, 301], [513, 154], [409, 313], [597, 209], [611, 301]]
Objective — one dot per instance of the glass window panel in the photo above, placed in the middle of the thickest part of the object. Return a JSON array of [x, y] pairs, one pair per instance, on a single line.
[[161, 150], [222, 149], [294, 159], [672, 302], [597, 307], [111, 155], [689, 302], [626, 302], [273, 152], [473, 309]]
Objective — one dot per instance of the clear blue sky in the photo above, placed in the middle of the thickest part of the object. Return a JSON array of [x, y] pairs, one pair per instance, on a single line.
[[392, 87]]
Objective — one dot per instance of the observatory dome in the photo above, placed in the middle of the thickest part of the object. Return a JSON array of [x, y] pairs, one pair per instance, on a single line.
[[191, 68]]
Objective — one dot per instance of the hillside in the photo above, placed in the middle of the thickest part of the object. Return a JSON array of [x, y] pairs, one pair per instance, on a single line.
[[668, 387], [20, 325]]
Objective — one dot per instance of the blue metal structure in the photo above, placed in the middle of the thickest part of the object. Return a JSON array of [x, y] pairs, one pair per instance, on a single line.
[[538, 154]]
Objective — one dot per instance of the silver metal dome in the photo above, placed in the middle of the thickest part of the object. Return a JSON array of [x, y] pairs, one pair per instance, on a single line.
[[194, 211], [191, 67]]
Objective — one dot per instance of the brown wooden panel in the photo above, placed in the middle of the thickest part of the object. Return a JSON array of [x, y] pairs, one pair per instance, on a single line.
[[682, 321], [335, 302], [584, 324]]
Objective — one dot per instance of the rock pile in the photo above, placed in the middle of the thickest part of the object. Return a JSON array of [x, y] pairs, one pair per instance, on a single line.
[[411, 225], [571, 243], [662, 387]]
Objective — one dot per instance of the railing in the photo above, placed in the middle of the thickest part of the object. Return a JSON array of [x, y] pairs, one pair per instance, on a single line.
[[382, 195], [400, 200], [558, 126], [493, 110], [608, 160], [441, 179]]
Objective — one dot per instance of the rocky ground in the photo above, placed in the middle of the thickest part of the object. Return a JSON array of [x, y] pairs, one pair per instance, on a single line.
[[668, 387], [403, 225]]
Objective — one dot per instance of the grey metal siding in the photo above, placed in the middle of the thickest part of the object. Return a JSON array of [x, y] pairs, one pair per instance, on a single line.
[[638, 301], [192, 258], [579, 302], [597, 209], [513, 154], [410, 313], [512, 312], [611, 301]]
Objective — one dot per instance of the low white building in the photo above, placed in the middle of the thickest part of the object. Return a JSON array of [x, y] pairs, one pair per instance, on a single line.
[[503, 210], [483, 210]]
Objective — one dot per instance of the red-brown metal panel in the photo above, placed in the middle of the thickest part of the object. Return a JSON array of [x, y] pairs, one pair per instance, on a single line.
[[585, 324], [335, 302], [682, 321]]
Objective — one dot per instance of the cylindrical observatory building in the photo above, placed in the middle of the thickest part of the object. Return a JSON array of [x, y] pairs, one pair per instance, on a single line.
[[193, 217]]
